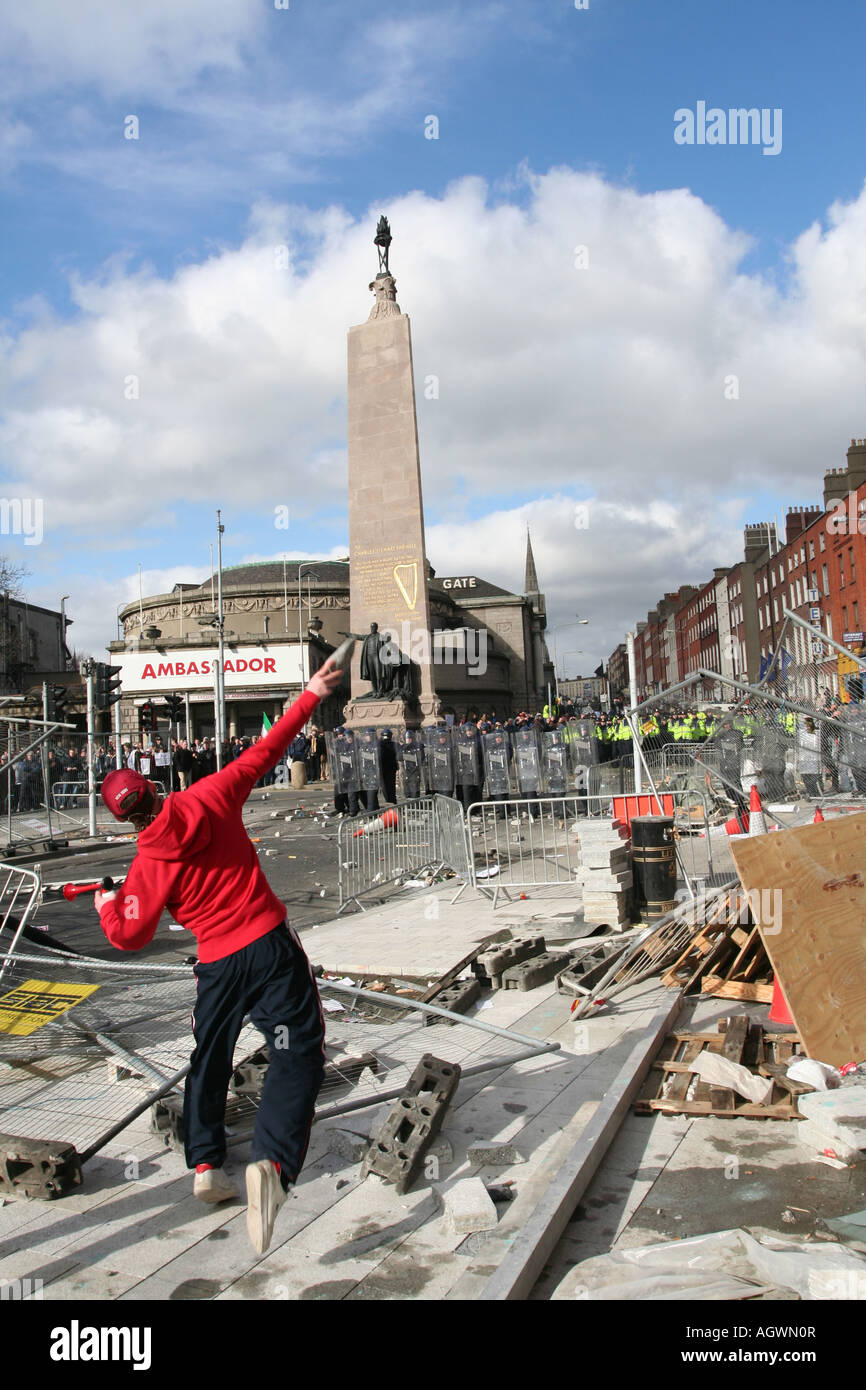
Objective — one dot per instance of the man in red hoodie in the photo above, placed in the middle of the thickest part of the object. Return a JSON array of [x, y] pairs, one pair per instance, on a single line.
[[195, 859]]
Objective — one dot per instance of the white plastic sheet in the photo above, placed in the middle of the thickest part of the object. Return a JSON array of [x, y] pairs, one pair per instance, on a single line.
[[723, 1265]]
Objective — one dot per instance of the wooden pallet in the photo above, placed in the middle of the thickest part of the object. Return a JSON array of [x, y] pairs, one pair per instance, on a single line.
[[726, 958], [667, 1087]]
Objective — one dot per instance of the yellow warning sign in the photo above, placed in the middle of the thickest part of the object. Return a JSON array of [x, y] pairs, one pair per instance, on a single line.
[[36, 1003]]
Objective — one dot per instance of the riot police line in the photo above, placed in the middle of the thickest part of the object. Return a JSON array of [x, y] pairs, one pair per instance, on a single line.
[[459, 761]]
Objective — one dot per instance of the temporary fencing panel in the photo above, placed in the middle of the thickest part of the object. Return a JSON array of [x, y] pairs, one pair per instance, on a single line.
[[376, 848]]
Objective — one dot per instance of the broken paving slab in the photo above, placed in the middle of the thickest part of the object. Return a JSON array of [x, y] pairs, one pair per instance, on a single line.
[[493, 1153], [469, 1207]]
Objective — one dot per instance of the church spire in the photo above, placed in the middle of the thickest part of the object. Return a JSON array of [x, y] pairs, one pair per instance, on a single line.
[[530, 584]]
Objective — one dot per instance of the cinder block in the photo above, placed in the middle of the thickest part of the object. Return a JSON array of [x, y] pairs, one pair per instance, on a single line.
[[459, 998], [468, 1207], [529, 974], [352, 1145], [491, 1153], [398, 1149], [489, 966]]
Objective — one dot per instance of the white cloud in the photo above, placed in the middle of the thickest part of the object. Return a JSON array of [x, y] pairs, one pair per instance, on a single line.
[[151, 47], [554, 381]]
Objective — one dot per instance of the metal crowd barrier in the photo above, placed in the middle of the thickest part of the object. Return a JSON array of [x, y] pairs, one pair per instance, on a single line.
[[679, 757], [378, 847], [20, 895], [530, 842]]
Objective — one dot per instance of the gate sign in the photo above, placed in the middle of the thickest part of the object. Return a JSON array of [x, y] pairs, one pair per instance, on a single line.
[[189, 668]]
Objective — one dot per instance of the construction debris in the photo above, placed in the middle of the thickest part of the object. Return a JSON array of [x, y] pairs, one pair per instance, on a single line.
[[398, 1149], [673, 1088], [605, 874], [812, 880], [490, 965], [36, 1168], [468, 1207]]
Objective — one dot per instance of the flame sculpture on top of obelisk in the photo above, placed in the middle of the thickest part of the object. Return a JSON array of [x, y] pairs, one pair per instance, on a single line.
[[390, 603]]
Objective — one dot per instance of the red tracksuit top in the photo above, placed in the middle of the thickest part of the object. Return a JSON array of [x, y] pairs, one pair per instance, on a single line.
[[197, 860]]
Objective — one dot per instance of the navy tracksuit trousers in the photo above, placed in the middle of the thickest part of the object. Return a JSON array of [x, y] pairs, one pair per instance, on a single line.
[[270, 980]]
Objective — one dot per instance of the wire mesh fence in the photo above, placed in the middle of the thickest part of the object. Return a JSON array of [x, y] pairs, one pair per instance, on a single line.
[[84, 1042]]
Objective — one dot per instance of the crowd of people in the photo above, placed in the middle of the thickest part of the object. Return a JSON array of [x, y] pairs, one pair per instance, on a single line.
[[173, 766], [481, 755]]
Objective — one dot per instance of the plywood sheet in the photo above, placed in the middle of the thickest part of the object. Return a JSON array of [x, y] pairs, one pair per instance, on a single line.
[[812, 918]]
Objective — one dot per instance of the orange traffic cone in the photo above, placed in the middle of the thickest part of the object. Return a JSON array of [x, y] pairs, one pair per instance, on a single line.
[[733, 826], [817, 818], [388, 821], [779, 1011], [757, 824]]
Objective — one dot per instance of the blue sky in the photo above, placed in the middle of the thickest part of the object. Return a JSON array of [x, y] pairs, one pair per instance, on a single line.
[[261, 127]]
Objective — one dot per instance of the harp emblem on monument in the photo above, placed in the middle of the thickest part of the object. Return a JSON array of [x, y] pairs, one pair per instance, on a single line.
[[406, 579]]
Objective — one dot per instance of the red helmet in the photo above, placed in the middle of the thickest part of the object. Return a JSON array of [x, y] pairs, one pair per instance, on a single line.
[[123, 791]]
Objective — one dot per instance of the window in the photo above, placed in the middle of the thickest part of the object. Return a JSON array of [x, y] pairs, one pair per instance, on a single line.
[[856, 618], [851, 561], [761, 619], [844, 618], [825, 579], [822, 543], [811, 550], [841, 570], [776, 609]]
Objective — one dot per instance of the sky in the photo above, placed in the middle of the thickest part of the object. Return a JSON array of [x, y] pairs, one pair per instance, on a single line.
[[629, 335]]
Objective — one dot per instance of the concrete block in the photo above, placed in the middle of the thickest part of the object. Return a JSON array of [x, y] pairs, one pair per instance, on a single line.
[[489, 966], [529, 974], [398, 1148], [602, 857], [468, 1208], [600, 881], [492, 1153], [459, 998], [352, 1145]]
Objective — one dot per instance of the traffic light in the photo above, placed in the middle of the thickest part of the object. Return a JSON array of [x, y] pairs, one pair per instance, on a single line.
[[58, 695], [147, 714], [106, 684], [175, 707]]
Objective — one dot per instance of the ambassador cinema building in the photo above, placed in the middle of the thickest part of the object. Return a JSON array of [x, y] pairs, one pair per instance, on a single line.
[[281, 620]]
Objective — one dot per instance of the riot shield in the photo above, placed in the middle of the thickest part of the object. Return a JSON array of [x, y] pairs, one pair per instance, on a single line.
[[496, 752], [440, 760], [768, 752], [527, 760], [333, 742], [466, 756], [341, 751], [369, 760], [554, 757], [583, 746], [410, 755]]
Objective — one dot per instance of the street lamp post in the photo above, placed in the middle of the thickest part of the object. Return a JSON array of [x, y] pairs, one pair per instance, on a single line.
[[301, 568]]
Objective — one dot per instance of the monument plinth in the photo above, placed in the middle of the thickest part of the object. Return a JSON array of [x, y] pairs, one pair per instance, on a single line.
[[388, 576]]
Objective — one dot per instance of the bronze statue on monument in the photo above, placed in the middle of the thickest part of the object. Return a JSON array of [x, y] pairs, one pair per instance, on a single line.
[[384, 666]]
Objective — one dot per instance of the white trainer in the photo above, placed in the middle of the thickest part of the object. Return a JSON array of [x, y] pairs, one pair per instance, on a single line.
[[265, 1196], [213, 1185]]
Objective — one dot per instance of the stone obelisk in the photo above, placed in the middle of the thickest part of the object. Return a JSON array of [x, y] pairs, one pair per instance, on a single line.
[[388, 574]]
